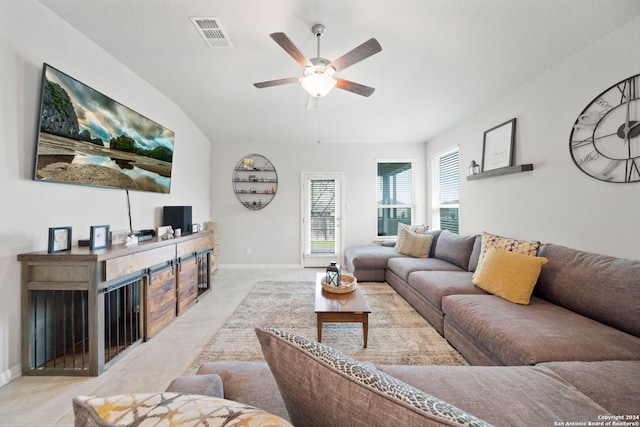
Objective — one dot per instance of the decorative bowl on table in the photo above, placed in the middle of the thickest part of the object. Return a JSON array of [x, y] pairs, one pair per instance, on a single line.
[[348, 283]]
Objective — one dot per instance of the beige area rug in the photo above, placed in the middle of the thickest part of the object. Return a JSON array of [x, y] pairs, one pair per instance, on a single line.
[[397, 333]]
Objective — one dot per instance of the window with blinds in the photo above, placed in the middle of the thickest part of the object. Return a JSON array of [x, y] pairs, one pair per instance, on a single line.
[[449, 191], [394, 195]]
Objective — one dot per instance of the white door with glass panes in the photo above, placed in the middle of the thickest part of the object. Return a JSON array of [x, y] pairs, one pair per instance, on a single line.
[[321, 219]]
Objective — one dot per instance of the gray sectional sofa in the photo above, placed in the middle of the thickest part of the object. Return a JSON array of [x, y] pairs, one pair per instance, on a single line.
[[584, 307], [312, 385], [571, 356]]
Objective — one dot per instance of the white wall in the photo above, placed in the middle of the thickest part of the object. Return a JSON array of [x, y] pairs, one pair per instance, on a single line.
[[30, 35], [555, 202], [274, 233]]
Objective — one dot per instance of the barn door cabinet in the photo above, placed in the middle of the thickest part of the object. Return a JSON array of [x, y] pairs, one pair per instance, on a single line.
[[82, 310]]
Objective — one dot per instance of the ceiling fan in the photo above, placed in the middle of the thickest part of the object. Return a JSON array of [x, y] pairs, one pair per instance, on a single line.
[[318, 73]]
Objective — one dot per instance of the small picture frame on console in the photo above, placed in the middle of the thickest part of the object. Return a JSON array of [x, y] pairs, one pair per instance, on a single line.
[[59, 239], [99, 237]]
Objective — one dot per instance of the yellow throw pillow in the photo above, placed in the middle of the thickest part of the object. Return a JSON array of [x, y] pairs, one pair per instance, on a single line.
[[509, 275], [415, 244], [403, 228]]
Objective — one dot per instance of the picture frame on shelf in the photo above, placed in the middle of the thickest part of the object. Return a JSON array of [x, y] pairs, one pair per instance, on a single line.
[[497, 146], [99, 237], [59, 239], [118, 237]]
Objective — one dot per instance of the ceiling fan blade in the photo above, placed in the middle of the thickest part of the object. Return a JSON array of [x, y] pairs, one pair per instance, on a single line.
[[356, 88], [278, 82], [291, 49], [365, 50], [312, 102]]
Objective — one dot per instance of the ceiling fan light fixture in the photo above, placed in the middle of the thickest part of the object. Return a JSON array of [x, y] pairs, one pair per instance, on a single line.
[[318, 83]]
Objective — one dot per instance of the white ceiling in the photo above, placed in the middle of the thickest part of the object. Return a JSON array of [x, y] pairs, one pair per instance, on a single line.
[[441, 60]]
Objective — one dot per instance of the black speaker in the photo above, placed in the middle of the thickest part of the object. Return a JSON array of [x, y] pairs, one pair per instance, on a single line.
[[177, 217]]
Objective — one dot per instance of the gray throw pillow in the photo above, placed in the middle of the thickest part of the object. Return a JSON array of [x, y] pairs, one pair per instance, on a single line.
[[455, 248]]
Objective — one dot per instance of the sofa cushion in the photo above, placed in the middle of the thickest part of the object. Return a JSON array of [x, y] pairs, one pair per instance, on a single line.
[[455, 248], [151, 409], [503, 396], [368, 263], [598, 286], [435, 285], [402, 267], [248, 382], [529, 334], [509, 275], [370, 256], [415, 244], [404, 228], [206, 385], [323, 387], [475, 254], [614, 385], [427, 288]]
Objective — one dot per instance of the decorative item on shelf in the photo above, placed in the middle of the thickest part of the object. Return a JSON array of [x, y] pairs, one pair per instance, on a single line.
[[165, 232], [497, 146], [248, 163], [59, 239], [118, 237], [99, 237], [132, 240], [333, 274], [474, 168]]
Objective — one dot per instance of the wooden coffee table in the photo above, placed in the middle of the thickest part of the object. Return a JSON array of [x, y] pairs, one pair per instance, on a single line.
[[350, 307]]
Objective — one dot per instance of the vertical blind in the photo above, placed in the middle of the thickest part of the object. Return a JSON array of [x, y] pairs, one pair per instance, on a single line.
[[394, 194], [449, 191], [449, 180]]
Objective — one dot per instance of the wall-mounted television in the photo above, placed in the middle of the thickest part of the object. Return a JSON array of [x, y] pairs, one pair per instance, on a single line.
[[87, 138]]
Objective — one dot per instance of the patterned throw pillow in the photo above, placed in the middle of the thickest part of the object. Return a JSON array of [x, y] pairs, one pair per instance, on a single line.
[[415, 244], [403, 228], [174, 409], [506, 244], [321, 386]]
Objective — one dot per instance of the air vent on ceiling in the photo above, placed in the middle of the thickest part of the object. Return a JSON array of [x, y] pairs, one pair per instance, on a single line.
[[211, 31]]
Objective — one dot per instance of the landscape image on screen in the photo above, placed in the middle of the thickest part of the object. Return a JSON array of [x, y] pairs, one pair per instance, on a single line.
[[88, 138]]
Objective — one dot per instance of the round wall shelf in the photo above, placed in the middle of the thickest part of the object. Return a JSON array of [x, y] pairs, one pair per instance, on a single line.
[[255, 181]]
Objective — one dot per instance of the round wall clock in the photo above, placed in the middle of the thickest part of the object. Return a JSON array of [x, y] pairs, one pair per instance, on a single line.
[[605, 140]]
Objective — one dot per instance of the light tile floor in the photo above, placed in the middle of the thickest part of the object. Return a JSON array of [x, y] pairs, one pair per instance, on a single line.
[[46, 401]]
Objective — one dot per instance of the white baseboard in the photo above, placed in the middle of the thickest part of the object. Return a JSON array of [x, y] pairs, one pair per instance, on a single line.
[[10, 374], [257, 266]]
